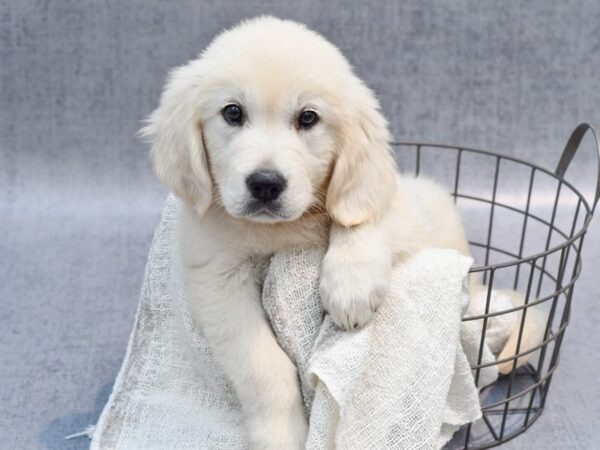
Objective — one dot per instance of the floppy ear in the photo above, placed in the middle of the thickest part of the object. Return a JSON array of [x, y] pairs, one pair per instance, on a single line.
[[174, 130], [364, 175]]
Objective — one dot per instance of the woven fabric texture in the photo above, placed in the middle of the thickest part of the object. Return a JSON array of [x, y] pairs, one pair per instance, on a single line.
[[403, 381]]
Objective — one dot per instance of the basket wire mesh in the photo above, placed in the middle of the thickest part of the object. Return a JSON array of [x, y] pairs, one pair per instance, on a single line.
[[545, 218]]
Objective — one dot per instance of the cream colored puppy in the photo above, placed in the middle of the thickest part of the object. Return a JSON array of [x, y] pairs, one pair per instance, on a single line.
[[272, 142]]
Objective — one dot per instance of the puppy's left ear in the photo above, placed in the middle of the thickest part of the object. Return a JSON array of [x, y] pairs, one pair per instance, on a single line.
[[175, 133], [364, 175]]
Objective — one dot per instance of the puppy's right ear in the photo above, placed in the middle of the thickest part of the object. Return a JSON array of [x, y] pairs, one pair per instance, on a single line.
[[175, 133]]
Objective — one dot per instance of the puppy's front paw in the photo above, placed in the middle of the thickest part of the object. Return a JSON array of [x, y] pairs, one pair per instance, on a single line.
[[351, 291]]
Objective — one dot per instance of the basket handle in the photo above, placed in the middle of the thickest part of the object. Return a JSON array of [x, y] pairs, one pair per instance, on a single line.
[[572, 147]]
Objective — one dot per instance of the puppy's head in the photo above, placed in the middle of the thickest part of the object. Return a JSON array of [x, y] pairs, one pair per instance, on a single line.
[[269, 122]]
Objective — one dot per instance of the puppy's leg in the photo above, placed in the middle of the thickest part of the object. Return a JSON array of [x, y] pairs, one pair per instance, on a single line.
[[355, 272], [224, 297]]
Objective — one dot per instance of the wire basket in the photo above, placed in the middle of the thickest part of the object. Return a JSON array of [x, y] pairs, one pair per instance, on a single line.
[[526, 225]]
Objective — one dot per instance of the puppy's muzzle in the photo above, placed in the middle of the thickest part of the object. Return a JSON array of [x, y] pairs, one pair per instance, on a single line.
[[266, 185]]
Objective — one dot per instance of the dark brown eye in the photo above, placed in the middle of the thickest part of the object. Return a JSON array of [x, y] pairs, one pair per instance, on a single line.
[[233, 114], [307, 119]]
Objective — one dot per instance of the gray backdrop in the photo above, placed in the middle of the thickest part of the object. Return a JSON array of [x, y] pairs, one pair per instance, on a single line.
[[78, 202]]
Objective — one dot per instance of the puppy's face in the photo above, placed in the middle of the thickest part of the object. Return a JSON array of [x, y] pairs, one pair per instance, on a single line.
[[270, 141], [268, 123]]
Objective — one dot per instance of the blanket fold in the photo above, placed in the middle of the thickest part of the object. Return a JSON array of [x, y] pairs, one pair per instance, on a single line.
[[403, 381]]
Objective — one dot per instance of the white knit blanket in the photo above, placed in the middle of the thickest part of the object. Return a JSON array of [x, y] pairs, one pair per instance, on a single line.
[[402, 382]]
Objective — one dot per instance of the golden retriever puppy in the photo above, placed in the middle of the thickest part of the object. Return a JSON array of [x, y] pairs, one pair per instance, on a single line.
[[271, 142]]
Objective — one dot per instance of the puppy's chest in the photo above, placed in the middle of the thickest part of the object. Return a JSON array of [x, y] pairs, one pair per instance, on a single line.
[[265, 239]]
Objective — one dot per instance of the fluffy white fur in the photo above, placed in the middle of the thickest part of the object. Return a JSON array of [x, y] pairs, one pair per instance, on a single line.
[[342, 191]]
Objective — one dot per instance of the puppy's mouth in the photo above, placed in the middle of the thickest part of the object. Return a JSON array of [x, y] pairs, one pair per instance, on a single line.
[[265, 211]]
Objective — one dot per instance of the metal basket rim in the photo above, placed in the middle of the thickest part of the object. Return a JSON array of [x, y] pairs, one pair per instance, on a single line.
[[561, 180]]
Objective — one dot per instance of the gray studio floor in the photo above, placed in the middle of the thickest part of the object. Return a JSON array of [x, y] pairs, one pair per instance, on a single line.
[[78, 202]]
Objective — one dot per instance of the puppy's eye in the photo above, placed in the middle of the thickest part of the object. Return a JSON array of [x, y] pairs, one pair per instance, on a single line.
[[233, 114], [307, 119]]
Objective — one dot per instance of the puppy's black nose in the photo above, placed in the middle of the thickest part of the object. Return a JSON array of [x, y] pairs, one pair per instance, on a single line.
[[265, 185]]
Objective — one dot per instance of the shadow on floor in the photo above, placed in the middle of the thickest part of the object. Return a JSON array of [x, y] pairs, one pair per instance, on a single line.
[[53, 435]]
